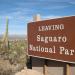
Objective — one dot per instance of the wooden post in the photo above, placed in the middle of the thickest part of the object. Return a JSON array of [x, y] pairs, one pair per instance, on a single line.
[[45, 67], [29, 62], [37, 18], [67, 69]]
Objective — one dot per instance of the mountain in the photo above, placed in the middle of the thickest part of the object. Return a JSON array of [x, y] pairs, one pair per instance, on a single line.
[[14, 37]]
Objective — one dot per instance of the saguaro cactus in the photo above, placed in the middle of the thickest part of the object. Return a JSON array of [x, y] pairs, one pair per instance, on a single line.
[[5, 37]]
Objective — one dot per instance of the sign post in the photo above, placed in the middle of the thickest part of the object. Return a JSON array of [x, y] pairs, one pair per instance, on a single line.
[[67, 69]]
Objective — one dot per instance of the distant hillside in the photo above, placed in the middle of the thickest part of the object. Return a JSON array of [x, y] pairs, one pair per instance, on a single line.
[[1, 36], [14, 37]]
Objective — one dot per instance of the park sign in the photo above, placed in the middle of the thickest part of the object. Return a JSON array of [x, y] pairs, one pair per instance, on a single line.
[[52, 39]]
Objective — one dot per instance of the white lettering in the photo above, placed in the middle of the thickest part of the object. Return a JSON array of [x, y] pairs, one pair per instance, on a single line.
[[47, 39], [42, 49], [51, 27], [65, 51]]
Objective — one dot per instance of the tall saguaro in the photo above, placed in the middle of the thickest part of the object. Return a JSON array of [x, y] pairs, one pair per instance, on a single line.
[[5, 37]]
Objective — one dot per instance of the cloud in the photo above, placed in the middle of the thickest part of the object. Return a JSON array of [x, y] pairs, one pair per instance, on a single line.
[[21, 12], [50, 17], [35, 6], [73, 3], [56, 0], [30, 7], [55, 7]]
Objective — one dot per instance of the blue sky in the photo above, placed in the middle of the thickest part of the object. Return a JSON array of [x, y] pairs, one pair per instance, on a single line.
[[20, 12]]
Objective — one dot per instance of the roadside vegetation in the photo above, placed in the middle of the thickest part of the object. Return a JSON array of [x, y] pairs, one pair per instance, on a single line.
[[13, 58]]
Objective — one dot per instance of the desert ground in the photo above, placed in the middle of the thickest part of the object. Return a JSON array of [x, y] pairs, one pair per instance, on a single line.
[[26, 71]]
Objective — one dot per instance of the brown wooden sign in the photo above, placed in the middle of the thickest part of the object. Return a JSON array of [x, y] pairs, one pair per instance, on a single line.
[[53, 39]]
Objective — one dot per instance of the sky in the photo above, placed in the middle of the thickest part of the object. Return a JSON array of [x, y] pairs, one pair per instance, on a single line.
[[21, 12]]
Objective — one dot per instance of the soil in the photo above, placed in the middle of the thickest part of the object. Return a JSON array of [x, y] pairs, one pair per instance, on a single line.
[[28, 72]]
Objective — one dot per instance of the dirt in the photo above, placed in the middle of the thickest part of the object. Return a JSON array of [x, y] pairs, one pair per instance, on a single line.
[[28, 72]]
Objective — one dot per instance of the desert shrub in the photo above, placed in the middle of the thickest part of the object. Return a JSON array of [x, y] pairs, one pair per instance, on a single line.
[[5, 68]]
